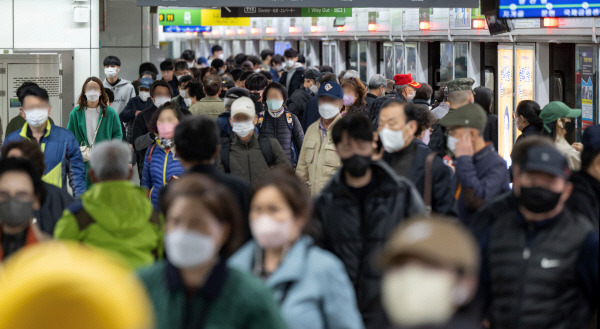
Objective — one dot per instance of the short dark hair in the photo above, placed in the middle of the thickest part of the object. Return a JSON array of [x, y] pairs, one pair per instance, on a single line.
[[27, 167], [531, 110], [196, 138], [329, 77], [216, 48], [587, 157], [36, 91], [265, 53], [356, 125], [290, 53], [277, 59], [278, 86], [484, 97], [112, 60], [166, 107], [181, 65], [144, 67], [301, 59], [245, 75], [247, 66], [326, 68], [167, 65], [425, 118], [31, 151], [424, 92], [23, 86], [256, 82], [150, 73], [239, 59], [188, 55], [519, 152], [266, 74], [184, 79], [217, 63], [236, 74], [160, 83], [110, 94], [255, 60], [212, 85], [194, 89]]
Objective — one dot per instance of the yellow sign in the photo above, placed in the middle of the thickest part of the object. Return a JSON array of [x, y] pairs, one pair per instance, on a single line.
[[505, 102], [524, 76], [212, 17]]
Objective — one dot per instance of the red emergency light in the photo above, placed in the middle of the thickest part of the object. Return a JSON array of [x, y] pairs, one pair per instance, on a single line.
[[479, 24], [424, 25], [550, 22]]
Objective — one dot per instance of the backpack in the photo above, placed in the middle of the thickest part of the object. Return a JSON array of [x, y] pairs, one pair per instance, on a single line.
[[263, 142]]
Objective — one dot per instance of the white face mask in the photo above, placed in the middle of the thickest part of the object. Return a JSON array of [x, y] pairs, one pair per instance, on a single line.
[[182, 92], [328, 110], [221, 56], [271, 233], [427, 137], [188, 101], [161, 100], [243, 129], [188, 248], [190, 64], [221, 71], [110, 72], [92, 95], [290, 64], [413, 296], [451, 143], [144, 95], [410, 97], [278, 67], [314, 89], [36, 117], [257, 71], [392, 140]]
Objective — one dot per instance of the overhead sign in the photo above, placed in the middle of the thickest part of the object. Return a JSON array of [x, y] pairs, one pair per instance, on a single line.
[[284, 12], [316, 3], [586, 64], [197, 17], [182, 29], [505, 102], [548, 8], [212, 17]]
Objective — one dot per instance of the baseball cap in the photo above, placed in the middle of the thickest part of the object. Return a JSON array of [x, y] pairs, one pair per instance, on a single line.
[[313, 74], [546, 159], [470, 115], [237, 92], [406, 79], [146, 83], [331, 89], [228, 83], [591, 138], [556, 110], [439, 240], [460, 84], [243, 105]]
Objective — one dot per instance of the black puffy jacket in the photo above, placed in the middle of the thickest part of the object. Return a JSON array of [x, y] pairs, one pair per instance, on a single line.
[[296, 102], [279, 128], [341, 227]]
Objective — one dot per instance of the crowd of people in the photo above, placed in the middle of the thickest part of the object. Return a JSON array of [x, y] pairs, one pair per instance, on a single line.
[[275, 195]]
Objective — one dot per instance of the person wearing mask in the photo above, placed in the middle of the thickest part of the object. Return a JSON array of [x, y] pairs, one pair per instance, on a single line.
[[429, 280], [216, 52], [585, 198], [219, 66], [559, 124], [354, 97], [247, 66], [244, 154], [396, 95], [480, 173], [135, 106], [377, 85], [527, 119], [412, 159], [195, 92], [160, 94], [311, 108], [293, 75], [256, 84], [181, 70], [145, 69], [18, 121], [279, 123], [182, 100], [310, 284], [123, 89], [161, 166], [266, 55], [485, 98], [457, 93], [61, 149], [256, 63], [21, 192], [92, 121], [425, 122], [167, 70], [193, 287], [540, 259], [211, 105], [189, 56], [54, 199], [406, 86], [300, 97], [231, 96], [370, 200], [114, 215], [276, 67], [318, 161]]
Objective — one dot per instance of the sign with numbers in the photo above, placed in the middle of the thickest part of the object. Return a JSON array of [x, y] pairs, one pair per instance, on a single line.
[[316, 3]]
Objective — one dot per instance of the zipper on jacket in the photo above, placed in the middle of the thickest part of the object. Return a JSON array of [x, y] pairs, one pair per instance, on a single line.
[[526, 255], [165, 168]]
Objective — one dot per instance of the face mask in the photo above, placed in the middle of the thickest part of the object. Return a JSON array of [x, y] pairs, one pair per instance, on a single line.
[[538, 199], [451, 143], [357, 165], [414, 296], [274, 104], [271, 233], [92, 96], [257, 71], [36, 117], [290, 64], [243, 129], [182, 92], [410, 97], [314, 89], [161, 100], [221, 71], [144, 95], [392, 140], [328, 110], [187, 101], [190, 65], [221, 56], [166, 130], [110, 72], [188, 248], [569, 127], [255, 97], [427, 137], [278, 67], [349, 100], [15, 213]]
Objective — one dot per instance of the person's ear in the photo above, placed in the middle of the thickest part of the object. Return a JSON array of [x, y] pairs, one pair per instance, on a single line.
[[412, 127], [255, 120], [231, 121], [567, 192], [471, 98], [22, 112]]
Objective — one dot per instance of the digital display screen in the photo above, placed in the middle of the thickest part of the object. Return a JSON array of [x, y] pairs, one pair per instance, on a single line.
[[182, 29], [548, 8]]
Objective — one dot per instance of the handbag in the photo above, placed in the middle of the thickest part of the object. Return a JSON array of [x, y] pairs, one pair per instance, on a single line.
[[86, 150]]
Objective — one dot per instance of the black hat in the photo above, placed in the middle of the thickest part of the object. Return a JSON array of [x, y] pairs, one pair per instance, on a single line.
[[237, 92], [312, 74], [546, 159], [591, 138]]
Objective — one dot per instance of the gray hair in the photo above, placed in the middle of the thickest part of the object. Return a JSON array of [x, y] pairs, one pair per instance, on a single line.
[[227, 102], [351, 74], [377, 81], [110, 160], [400, 88]]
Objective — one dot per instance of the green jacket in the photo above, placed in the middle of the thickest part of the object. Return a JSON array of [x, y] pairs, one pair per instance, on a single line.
[[229, 299], [110, 128], [115, 216], [209, 107]]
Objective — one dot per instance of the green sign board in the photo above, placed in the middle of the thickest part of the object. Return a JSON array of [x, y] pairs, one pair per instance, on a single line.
[[181, 17], [284, 12], [326, 12]]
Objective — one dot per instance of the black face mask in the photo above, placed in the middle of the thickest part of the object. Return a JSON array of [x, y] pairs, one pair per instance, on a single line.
[[538, 199], [569, 127], [255, 97], [357, 165], [222, 94], [15, 213]]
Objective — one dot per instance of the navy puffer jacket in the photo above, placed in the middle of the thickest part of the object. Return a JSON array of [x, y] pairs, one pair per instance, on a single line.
[[279, 128]]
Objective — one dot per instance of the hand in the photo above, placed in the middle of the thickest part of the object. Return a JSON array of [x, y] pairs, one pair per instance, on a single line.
[[377, 155], [137, 112], [464, 147], [578, 147]]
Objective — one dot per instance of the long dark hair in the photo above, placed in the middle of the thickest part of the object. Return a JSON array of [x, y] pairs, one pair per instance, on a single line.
[[484, 97], [530, 110], [102, 102], [166, 107]]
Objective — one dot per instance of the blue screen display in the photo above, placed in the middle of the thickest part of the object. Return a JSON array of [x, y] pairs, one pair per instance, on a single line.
[[548, 8], [181, 29]]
